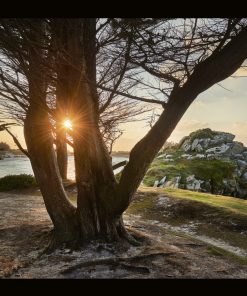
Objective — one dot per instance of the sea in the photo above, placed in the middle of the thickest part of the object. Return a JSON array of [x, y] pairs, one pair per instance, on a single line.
[[22, 165]]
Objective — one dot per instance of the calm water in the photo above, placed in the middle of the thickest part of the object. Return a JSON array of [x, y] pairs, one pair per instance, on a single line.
[[16, 166]]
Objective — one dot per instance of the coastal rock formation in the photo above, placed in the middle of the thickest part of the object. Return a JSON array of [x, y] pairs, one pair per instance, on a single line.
[[206, 160]]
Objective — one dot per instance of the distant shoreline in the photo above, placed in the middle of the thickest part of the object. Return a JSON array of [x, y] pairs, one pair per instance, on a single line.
[[121, 153], [15, 153]]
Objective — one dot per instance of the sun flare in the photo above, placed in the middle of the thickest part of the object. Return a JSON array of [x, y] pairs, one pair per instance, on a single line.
[[68, 124]]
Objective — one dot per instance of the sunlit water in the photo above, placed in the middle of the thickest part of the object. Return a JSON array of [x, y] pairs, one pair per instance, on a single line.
[[16, 166]]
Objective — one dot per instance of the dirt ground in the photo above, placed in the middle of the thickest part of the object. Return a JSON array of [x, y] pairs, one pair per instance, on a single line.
[[24, 232]]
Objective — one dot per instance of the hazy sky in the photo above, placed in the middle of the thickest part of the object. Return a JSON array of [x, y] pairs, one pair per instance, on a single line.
[[217, 108]]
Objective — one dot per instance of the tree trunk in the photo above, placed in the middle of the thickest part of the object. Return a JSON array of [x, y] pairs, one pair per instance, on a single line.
[[95, 179], [39, 142], [62, 154]]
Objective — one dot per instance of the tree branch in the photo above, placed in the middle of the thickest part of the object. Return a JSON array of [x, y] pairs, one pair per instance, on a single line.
[[18, 144], [206, 74], [119, 164], [127, 95]]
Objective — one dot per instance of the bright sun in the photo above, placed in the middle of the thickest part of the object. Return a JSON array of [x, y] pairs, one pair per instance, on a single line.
[[67, 123]]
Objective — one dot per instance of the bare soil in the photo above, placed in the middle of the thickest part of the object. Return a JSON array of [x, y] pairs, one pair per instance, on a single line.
[[25, 229]]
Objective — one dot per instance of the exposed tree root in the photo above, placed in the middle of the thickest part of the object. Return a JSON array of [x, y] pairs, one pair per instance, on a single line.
[[117, 261], [124, 239]]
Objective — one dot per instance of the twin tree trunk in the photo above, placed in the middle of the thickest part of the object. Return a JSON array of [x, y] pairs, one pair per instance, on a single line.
[[95, 215], [101, 201]]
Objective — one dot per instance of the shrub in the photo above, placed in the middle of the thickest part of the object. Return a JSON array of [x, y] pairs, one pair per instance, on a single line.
[[4, 146], [200, 134], [22, 181]]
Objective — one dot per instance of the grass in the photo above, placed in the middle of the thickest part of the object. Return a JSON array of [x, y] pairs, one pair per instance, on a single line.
[[233, 204], [13, 182], [219, 217], [214, 170], [199, 134], [216, 251]]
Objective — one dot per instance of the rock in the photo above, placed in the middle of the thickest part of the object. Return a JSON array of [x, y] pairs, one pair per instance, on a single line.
[[205, 142], [230, 187], [237, 148], [241, 192], [210, 145], [162, 182], [199, 148], [223, 148], [218, 149], [161, 156], [190, 157], [212, 156], [244, 177], [156, 183], [193, 184], [199, 156], [174, 183], [177, 180], [185, 155], [211, 150], [229, 137], [241, 163], [190, 178], [186, 146], [239, 156], [237, 173], [194, 144], [223, 137]]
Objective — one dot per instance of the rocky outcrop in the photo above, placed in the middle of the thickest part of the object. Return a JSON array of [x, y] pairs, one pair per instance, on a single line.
[[209, 146]]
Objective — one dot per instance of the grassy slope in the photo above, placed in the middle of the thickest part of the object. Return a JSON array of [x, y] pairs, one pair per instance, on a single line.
[[220, 217], [239, 206]]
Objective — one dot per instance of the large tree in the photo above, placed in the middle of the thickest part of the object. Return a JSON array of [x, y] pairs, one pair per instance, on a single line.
[[175, 60]]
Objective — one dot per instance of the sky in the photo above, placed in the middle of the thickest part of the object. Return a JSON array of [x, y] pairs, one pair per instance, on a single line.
[[222, 107]]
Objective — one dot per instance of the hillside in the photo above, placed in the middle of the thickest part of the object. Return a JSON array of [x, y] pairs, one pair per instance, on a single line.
[[204, 161]]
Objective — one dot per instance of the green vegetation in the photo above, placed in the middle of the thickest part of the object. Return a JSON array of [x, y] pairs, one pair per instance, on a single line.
[[12, 182], [4, 146], [216, 251], [201, 133], [214, 170], [236, 205], [219, 218]]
